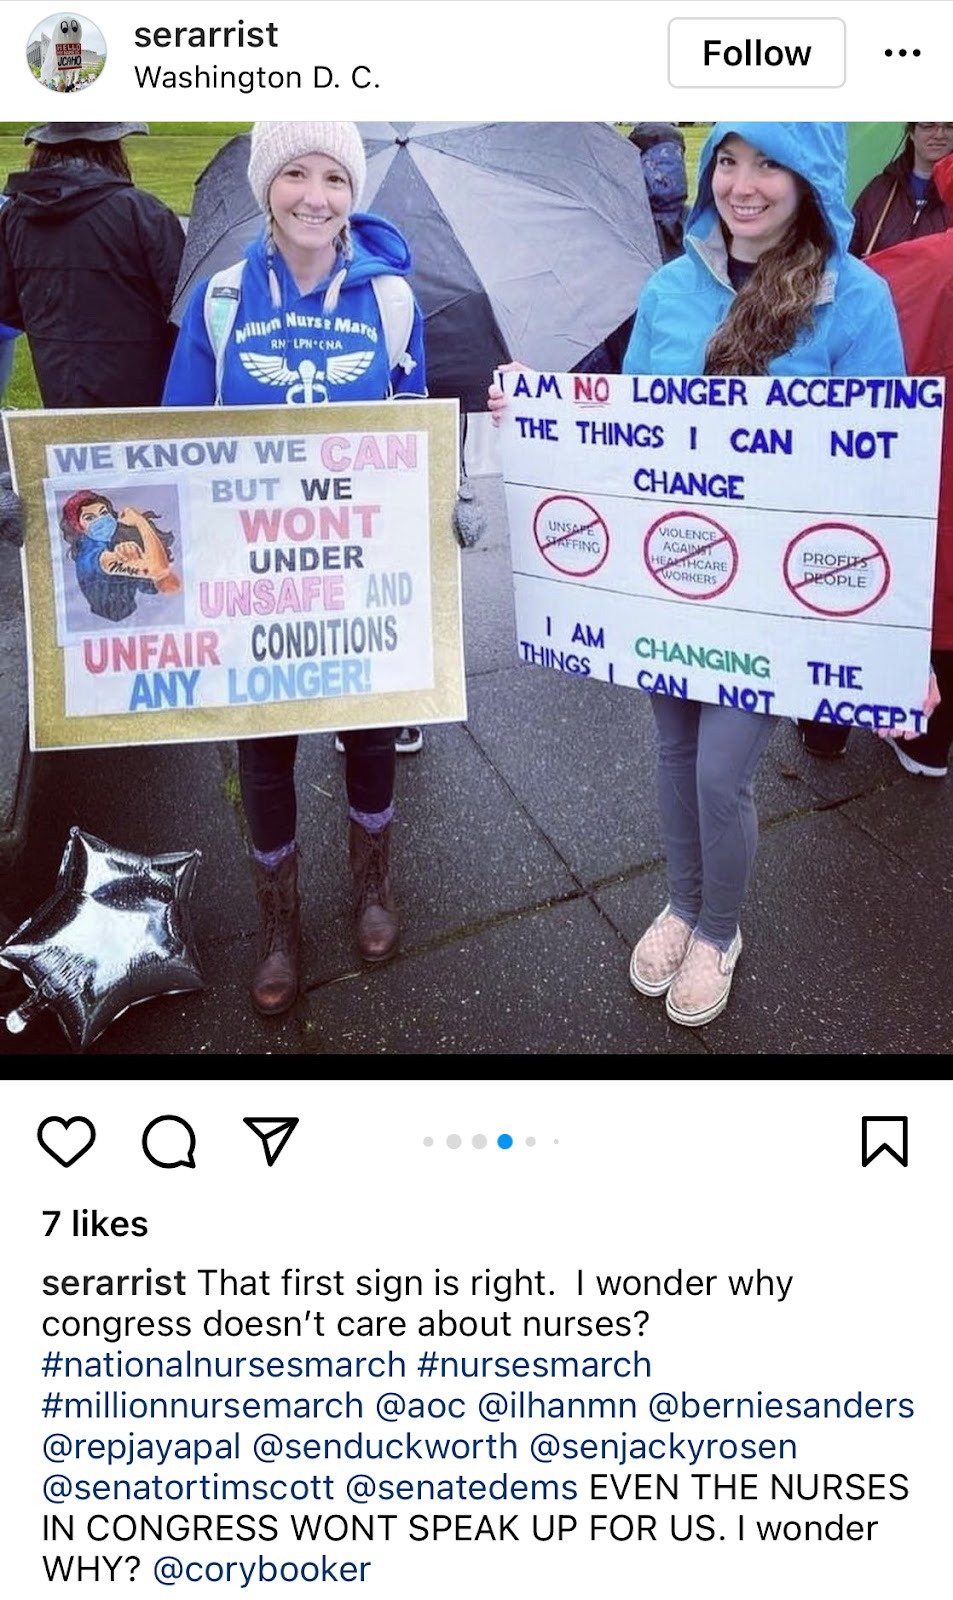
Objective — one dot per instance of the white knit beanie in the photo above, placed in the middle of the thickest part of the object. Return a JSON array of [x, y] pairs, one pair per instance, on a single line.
[[274, 144]]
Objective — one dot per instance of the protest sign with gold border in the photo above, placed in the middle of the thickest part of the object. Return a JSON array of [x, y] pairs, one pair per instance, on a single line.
[[198, 574]]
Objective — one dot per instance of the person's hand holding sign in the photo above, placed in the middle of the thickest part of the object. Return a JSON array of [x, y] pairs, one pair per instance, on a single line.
[[496, 400], [929, 706]]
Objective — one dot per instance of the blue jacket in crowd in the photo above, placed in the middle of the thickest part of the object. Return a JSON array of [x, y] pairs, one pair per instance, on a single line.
[[854, 330], [299, 352]]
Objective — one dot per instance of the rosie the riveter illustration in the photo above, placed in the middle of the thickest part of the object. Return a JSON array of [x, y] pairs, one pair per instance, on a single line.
[[119, 555]]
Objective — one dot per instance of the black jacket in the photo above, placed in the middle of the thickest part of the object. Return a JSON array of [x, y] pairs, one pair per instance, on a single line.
[[903, 219], [88, 266]]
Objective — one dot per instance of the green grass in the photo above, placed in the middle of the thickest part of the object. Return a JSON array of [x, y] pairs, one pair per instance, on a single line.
[[166, 162], [22, 393], [169, 160], [695, 136], [231, 789]]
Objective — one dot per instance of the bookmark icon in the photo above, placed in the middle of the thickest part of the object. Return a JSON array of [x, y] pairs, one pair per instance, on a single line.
[[881, 1135]]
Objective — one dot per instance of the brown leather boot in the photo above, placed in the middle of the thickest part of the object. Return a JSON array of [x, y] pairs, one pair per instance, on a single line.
[[376, 927], [275, 984]]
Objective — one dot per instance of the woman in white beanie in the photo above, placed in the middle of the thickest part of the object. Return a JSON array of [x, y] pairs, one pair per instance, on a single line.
[[315, 262]]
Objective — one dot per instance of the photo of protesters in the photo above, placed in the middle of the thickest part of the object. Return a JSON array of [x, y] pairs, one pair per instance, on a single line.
[[569, 841], [66, 52]]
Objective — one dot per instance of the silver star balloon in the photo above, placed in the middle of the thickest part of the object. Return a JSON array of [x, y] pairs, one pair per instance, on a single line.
[[115, 931]]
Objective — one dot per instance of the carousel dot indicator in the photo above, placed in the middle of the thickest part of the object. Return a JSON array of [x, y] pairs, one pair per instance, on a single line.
[[479, 1141], [454, 1141], [505, 1141], [531, 1141], [428, 1141]]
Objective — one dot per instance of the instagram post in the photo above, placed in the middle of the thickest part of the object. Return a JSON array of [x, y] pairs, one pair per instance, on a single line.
[[416, 1335], [475, 586]]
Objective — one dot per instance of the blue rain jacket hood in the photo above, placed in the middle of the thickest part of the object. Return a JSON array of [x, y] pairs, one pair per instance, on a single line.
[[310, 348], [816, 151], [853, 330]]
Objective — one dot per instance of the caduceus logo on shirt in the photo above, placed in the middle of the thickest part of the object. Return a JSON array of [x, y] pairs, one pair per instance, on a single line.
[[307, 384]]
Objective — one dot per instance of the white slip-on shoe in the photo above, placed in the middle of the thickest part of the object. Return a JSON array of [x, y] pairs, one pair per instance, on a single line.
[[659, 953], [701, 988]]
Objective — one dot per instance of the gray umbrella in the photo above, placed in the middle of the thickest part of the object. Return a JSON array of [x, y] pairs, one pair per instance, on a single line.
[[530, 240], [223, 221]]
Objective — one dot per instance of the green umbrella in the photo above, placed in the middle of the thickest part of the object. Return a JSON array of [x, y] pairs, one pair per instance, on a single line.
[[870, 146]]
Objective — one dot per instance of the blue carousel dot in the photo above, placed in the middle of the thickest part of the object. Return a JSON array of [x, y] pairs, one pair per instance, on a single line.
[[505, 1141]]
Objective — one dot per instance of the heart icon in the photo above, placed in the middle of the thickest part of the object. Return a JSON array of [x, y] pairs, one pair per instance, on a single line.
[[62, 1144]]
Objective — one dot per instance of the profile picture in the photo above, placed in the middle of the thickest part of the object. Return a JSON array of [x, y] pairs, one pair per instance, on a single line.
[[66, 52]]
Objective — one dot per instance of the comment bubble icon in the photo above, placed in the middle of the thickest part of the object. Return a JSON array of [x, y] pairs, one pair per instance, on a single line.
[[169, 1141]]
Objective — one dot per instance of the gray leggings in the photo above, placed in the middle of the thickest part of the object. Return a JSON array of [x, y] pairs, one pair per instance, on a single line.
[[708, 756]]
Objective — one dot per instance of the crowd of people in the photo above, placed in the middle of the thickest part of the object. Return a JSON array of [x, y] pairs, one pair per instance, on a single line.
[[762, 275], [67, 85]]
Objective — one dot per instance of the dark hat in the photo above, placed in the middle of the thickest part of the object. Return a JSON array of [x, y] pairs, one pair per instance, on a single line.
[[66, 132], [647, 134]]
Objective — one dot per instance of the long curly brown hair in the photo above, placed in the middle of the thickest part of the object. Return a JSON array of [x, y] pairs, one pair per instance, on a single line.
[[777, 302]]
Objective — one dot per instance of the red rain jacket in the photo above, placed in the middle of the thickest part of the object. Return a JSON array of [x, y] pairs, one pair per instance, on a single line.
[[920, 275]]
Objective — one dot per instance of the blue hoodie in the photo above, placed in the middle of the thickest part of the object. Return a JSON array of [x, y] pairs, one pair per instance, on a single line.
[[301, 351], [854, 331]]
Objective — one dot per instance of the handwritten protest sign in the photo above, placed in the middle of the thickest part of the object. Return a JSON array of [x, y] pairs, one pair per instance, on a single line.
[[765, 543], [205, 574]]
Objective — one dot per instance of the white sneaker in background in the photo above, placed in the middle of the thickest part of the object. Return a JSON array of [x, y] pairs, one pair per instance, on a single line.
[[910, 765]]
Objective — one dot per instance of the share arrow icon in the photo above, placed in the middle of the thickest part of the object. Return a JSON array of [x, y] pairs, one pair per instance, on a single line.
[[274, 1133]]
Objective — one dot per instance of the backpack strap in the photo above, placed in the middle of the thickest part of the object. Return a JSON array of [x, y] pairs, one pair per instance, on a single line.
[[395, 302], [872, 242], [223, 294]]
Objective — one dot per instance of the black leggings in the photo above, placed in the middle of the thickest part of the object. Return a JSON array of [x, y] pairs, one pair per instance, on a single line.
[[266, 770], [933, 747]]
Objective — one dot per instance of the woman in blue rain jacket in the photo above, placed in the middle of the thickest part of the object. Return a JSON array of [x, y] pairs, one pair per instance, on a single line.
[[766, 285]]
